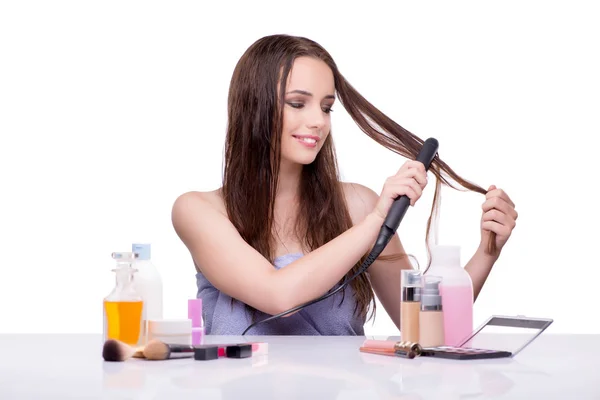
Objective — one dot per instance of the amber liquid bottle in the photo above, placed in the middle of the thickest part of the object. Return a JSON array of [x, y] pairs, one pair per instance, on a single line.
[[123, 306]]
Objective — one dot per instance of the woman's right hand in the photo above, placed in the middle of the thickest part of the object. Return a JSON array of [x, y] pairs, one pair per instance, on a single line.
[[410, 180]]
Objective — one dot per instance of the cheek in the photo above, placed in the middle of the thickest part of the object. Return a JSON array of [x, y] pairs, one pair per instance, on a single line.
[[327, 127], [289, 122]]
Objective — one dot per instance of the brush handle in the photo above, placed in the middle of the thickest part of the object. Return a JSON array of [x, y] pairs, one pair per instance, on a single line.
[[180, 351]]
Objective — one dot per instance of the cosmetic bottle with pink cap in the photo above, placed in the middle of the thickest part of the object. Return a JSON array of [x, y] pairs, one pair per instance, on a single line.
[[456, 290], [195, 314]]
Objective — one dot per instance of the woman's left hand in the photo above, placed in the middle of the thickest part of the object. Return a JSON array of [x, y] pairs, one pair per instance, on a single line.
[[499, 216]]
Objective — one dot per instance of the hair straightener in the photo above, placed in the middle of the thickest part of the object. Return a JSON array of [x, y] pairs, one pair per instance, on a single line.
[[388, 229]]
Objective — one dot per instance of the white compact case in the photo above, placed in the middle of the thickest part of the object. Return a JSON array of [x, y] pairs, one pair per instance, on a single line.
[[170, 331]]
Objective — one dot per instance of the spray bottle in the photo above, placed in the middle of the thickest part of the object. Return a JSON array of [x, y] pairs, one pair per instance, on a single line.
[[148, 284]]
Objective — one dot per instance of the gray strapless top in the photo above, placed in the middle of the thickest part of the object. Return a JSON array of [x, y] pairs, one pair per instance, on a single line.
[[327, 317]]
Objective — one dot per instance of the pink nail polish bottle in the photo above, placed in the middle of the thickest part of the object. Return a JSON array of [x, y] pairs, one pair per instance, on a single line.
[[195, 314]]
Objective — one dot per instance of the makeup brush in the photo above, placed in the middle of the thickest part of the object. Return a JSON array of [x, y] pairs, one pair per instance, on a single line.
[[115, 350], [157, 350]]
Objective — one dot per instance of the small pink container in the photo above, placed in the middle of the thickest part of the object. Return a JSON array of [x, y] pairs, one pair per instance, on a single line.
[[195, 314]]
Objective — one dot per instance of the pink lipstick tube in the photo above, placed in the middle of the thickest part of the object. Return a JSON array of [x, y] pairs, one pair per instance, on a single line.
[[195, 314]]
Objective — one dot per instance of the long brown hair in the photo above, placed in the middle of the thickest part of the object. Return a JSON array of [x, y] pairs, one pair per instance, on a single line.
[[252, 154]]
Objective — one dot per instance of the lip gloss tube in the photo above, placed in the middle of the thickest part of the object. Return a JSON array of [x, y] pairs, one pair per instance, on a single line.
[[389, 352]]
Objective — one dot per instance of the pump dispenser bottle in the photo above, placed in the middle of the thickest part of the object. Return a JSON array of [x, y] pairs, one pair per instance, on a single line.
[[148, 284], [431, 316], [410, 305], [457, 293], [123, 306]]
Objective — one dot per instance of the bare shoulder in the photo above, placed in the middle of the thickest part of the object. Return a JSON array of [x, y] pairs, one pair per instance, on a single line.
[[194, 202], [360, 199], [193, 212]]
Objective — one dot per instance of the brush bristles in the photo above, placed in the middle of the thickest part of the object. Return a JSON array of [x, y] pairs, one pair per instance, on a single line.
[[114, 350], [156, 350]]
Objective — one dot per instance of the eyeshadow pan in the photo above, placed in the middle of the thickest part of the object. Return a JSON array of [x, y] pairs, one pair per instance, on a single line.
[[459, 353]]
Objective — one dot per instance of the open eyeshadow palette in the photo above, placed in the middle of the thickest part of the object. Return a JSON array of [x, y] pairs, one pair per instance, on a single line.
[[498, 337], [520, 330]]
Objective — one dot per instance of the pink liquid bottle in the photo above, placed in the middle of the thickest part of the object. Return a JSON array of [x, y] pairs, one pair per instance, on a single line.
[[456, 290]]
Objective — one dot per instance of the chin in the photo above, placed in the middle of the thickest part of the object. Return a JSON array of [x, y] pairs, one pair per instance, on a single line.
[[304, 159], [297, 154]]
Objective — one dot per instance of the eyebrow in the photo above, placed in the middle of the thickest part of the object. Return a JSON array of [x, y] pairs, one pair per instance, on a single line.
[[304, 92]]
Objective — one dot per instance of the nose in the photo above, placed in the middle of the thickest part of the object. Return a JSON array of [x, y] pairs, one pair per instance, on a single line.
[[316, 118]]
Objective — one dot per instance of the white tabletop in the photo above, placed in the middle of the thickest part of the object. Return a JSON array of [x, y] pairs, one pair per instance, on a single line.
[[71, 367]]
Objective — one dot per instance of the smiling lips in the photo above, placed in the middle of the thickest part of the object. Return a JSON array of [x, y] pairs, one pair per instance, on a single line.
[[307, 140]]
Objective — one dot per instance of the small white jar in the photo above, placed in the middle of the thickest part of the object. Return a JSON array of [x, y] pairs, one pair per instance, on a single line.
[[170, 331]]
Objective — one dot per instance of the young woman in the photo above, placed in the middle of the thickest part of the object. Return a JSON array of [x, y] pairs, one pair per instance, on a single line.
[[283, 230]]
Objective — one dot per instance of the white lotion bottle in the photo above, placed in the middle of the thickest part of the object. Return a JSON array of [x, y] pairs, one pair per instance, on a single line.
[[148, 284]]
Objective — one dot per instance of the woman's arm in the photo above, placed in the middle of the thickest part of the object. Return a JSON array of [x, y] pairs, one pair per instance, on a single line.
[[499, 216], [479, 267], [385, 275], [237, 269]]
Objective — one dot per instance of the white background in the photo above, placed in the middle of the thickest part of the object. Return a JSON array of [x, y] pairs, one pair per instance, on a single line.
[[111, 109]]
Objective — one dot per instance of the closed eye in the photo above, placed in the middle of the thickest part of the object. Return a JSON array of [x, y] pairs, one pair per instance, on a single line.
[[326, 110]]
